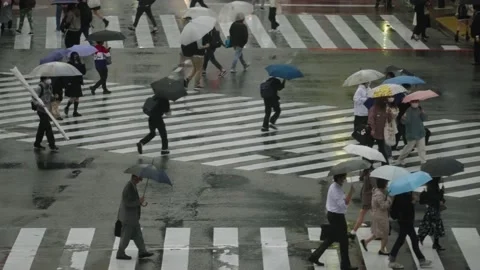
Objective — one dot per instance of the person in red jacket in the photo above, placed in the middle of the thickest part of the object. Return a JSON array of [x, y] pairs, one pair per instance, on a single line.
[[102, 60]]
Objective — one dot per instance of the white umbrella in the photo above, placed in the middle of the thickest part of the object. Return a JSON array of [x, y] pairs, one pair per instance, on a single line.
[[196, 12], [197, 29], [389, 172], [386, 90], [55, 69], [230, 11], [363, 76], [364, 151]]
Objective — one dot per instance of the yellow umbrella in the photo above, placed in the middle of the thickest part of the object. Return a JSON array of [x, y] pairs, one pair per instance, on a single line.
[[386, 90]]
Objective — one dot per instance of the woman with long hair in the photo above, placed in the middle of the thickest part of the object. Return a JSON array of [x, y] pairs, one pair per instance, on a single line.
[[391, 127], [73, 87], [72, 25], [432, 223], [377, 119]]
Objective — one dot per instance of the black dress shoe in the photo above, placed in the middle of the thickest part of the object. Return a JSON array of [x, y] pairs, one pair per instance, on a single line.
[[350, 268], [145, 254], [123, 257], [316, 262]]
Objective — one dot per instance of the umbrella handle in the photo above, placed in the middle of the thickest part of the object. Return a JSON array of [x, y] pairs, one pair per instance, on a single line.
[[145, 189]]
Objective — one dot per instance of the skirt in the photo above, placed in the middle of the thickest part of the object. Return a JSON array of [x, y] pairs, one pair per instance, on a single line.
[[73, 90], [431, 224]]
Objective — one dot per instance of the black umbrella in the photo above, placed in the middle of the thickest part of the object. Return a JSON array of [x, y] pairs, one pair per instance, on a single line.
[[106, 35], [349, 166], [444, 166], [169, 88], [398, 71]]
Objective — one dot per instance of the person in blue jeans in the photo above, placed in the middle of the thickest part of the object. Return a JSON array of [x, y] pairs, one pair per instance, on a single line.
[[238, 40]]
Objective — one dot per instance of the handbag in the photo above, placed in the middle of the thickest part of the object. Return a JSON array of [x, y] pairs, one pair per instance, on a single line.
[[109, 60], [389, 133], [118, 228]]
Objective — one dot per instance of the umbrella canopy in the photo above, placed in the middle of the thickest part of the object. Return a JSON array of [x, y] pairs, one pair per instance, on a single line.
[[412, 80], [150, 172], [444, 166], [389, 172], [82, 50], [55, 69], [106, 35], [54, 56], [420, 95], [196, 12], [408, 183], [169, 88], [287, 72], [349, 166], [230, 11], [363, 76], [398, 98], [64, 2], [364, 151], [398, 71], [386, 90], [197, 29]]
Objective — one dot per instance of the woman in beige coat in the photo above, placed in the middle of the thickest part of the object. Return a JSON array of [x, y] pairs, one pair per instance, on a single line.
[[380, 224]]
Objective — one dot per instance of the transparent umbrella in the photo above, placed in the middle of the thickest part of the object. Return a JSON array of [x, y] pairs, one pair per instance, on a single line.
[[230, 11], [197, 29], [55, 69]]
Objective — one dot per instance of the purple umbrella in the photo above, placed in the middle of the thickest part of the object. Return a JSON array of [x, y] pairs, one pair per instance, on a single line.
[[54, 56], [82, 50], [64, 2]]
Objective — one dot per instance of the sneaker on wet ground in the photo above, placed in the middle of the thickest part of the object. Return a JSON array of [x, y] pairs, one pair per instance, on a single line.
[[198, 87], [246, 66], [39, 147], [165, 152], [395, 265], [54, 148], [155, 30], [106, 92], [425, 263], [222, 73], [233, 70], [140, 148], [273, 126], [264, 129]]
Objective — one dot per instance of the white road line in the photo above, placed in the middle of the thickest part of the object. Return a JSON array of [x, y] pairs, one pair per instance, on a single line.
[[114, 25], [329, 257], [225, 242], [142, 32], [23, 41], [131, 251], [464, 193], [371, 258], [24, 250], [404, 32], [274, 249], [175, 249], [289, 33], [11, 83], [76, 248], [53, 38], [428, 252], [451, 47], [259, 32], [11, 135], [317, 32], [379, 36], [235, 160], [170, 27], [346, 32], [469, 242]]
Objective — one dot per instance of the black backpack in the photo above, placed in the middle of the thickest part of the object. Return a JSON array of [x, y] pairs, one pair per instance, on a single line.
[[266, 89], [462, 11], [149, 105], [34, 106], [216, 39]]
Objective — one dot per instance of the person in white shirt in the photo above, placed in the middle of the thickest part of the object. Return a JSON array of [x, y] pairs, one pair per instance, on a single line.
[[359, 110], [336, 208]]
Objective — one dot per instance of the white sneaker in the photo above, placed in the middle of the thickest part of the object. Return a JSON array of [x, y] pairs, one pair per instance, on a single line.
[[395, 265], [425, 263], [233, 70]]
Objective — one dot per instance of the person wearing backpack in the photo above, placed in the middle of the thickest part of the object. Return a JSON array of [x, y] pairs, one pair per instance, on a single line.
[[269, 92], [155, 108], [403, 211], [44, 92], [145, 6], [216, 42]]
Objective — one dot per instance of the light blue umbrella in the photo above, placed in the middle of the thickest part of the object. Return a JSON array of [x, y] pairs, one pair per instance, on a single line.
[[408, 183], [83, 50], [284, 71], [412, 80]]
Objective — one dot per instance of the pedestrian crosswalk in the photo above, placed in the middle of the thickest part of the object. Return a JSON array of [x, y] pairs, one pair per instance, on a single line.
[[298, 31], [278, 248], [224, 131]]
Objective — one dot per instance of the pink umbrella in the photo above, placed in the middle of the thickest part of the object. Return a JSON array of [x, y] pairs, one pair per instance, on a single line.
[[420, 95]]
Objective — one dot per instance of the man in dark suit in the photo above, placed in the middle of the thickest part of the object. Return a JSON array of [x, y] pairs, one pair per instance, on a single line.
[[129, 215]]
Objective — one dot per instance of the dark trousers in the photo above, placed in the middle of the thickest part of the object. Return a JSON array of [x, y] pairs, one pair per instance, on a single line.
[[210, 56], [156, 124], [272, 13], [103, 79], [421, 26], [44, 128], [194, 2], [381, 148], [85, 30], [269, 104], [476, 51], [337, 233], [406, 228], [359, 121], [148, 11], [72, 38]]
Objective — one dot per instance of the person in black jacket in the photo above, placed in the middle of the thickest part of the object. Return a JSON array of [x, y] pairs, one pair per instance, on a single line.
[[145, 6], [403, 210], [85, 18], [271, 100], [475, 31], [216, 42], [422, 21], [432, 223], [155, 121], [73, 87], [238, 40], [196, 53]]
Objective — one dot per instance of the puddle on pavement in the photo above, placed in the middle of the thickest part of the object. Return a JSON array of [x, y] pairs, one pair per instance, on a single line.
[[50, 165], [11, 165], [43, 203], [224, 180], [61, 188]]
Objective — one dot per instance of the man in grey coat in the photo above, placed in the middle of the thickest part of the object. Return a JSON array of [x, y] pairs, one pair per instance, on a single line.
[[129, 215]]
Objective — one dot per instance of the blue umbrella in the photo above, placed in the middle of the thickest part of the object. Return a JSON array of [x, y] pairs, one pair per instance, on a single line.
[[398, 100], [412, 80], [54, 56], [150, 172], [408, 183], [287, 72], [64, 2], [82, 50]]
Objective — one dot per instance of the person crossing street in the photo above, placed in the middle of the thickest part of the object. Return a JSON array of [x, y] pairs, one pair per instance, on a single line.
[[44, 92], [145, 6], [159, 107], [269, 92]]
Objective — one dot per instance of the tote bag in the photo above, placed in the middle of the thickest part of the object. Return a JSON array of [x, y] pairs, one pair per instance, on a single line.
[[389, 133], [93, 3]]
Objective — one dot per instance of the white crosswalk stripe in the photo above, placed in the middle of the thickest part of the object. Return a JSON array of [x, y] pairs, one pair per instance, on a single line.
[[278, 247], [298, 31], [219, 130]]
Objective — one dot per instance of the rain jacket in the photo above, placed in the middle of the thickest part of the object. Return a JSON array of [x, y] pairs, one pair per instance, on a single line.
[[46, 97], [414, 128], [238, 34], [100, 57]]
